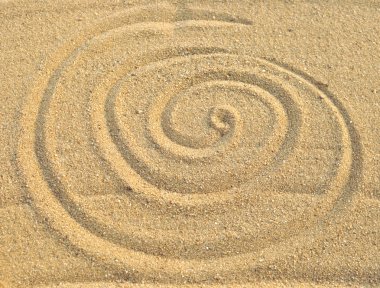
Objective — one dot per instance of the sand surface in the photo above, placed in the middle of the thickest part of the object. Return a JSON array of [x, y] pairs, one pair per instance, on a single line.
[[215, 143]]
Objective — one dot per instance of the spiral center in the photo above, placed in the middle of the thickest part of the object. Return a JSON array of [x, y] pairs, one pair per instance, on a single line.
[[196, 130], [223, 118]]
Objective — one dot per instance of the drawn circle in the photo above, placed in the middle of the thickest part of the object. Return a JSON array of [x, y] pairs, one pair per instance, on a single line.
[[143, 137]]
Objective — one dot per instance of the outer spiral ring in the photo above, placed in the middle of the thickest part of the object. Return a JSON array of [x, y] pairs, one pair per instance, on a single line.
[[59, 218]]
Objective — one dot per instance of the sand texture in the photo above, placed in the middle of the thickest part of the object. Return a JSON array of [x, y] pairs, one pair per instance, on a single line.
[[189, 143]]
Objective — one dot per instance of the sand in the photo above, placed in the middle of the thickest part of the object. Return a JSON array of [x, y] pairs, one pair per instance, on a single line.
[[189, 143]]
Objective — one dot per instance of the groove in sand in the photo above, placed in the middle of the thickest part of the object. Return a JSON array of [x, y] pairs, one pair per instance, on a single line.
[[143, 148]]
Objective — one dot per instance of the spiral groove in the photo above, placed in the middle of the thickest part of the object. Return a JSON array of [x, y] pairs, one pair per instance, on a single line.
[[160, 135]]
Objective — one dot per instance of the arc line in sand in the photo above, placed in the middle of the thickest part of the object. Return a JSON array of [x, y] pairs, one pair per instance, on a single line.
[[261, 77]]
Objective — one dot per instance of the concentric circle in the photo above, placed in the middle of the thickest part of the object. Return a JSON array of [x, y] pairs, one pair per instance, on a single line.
[[120, 144], [221, 145]]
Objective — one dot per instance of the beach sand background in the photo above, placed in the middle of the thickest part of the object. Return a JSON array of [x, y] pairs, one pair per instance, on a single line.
[[148, 143]]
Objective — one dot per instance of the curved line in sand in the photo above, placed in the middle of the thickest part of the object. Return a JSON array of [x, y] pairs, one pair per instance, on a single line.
[[30, 151]]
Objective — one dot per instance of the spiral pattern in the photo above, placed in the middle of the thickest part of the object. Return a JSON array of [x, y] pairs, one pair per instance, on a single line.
[[159, 144], [123, 143]]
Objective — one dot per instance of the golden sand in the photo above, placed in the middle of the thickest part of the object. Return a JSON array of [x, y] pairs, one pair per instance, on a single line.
[[153, 143]]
